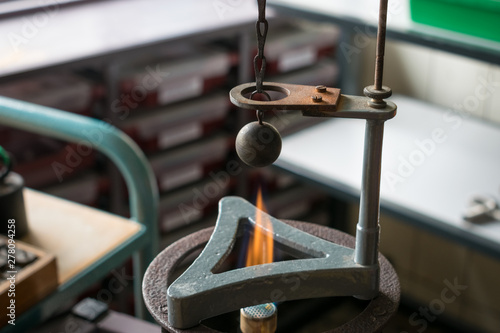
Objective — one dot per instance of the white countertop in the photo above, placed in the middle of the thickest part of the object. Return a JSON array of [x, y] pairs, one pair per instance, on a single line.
[[433, 162], [56, 35]]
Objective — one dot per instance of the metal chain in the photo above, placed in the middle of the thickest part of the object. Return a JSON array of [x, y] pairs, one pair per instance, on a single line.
[[261, 27]]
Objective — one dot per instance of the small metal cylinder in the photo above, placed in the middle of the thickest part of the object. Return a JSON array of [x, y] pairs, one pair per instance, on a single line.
[[12, 206], [260, 318], [367, 232]]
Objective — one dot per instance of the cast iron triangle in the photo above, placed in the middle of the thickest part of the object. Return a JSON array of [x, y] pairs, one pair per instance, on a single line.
[[199, 293]]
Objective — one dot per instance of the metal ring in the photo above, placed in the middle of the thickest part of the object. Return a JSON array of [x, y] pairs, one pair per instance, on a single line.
[[7, 164], [383, 93]]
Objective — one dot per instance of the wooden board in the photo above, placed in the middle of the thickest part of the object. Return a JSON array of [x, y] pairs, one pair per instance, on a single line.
[[32, 283], [75, 234]]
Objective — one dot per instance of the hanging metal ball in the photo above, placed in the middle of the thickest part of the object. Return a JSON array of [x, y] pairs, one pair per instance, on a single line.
[[258, 144]]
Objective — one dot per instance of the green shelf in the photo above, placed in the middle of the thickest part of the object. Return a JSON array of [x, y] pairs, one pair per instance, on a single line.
[[480, 18]]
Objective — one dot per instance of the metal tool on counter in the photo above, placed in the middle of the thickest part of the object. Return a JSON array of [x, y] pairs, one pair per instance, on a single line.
[[482, 208]]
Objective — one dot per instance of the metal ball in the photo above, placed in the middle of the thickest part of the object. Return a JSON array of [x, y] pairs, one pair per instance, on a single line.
[[258, 145]]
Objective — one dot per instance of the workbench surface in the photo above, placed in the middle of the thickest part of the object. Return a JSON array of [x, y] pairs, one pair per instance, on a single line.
[[77, 235], [87, 243], [434, 161]]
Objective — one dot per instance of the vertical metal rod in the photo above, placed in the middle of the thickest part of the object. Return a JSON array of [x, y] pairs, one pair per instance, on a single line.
[[139, 269], [367, 231], [382, 28]]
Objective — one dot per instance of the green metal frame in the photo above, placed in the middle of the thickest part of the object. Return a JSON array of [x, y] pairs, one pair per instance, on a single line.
[[142, 189]]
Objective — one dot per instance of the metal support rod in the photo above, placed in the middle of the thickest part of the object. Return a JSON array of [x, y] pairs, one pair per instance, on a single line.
[[382, 27], [367, 231]]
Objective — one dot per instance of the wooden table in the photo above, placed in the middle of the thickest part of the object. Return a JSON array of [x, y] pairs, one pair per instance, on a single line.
[[87, 243], [76, 235]]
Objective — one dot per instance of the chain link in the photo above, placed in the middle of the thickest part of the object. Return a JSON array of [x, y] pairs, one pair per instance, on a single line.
[[260, 116], [261, 27]]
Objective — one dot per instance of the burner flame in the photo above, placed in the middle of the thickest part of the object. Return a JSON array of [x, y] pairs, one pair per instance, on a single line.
[[260, 247]]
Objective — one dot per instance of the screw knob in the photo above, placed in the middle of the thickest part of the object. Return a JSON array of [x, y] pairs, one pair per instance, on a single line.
[[258, 145], [383, 93]]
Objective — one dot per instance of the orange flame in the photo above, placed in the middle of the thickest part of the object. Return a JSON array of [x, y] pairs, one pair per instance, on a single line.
[[260, 247]]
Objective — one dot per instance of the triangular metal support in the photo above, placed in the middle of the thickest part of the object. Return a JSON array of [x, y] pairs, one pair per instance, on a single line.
[[329, 270]]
